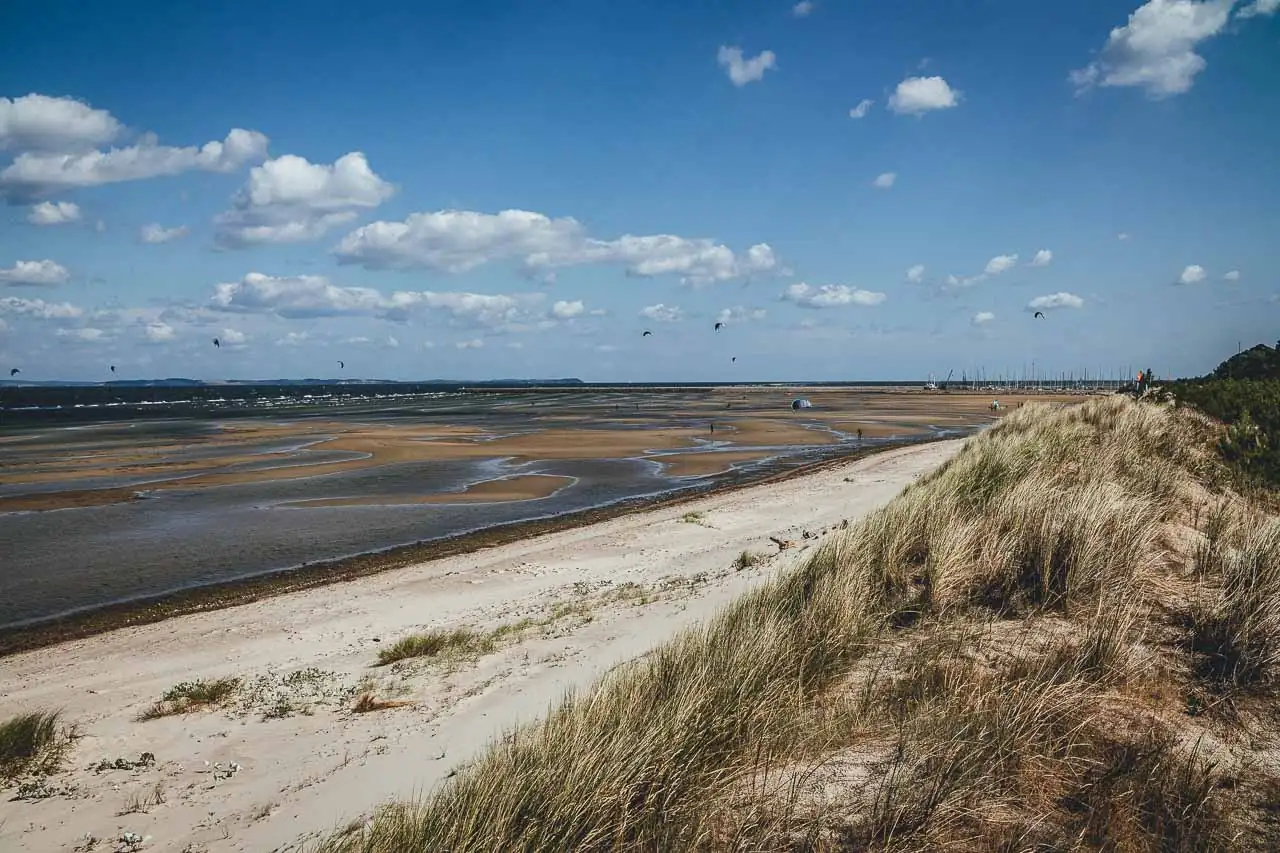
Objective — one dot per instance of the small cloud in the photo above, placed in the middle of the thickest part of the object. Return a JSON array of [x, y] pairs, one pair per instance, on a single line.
[[885, 180], [661, 313], [743, 71], [153, 233], [915, 274], [99, 226], [514, 345], [563, 310], [982, 318], [474, 343], [232, 338], [1000, 263], [919, 95], [159, 333], [802, 9], [391, 342], [606, 348], [85, 335], [293, 339], [1042, 258], [830, 296], [1233, 275], [44, 273], [1259, 7], [1055, 300], [53, 213], [861, 110], [739, 314], [1122, 236], [1192, 274]]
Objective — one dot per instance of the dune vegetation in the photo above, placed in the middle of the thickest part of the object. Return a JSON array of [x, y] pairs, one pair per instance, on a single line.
[[1066, 638], [32, 743]]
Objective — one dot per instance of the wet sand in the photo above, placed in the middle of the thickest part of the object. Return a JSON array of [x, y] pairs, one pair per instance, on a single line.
[[528, 487]]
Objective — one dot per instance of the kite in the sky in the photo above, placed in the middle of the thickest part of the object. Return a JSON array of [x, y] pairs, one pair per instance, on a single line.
[[719, 326], [1039, 314], [217, 343], [14, 372], [342, 365], [646, 333], [113, 368]]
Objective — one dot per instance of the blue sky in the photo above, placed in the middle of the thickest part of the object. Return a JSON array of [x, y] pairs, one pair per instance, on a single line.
[[479, 190]]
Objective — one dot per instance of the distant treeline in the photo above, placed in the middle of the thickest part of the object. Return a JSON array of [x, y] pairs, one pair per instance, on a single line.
[[1244, 393]]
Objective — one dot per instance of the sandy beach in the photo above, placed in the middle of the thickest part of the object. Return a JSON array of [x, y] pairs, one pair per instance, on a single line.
[[568, 606]]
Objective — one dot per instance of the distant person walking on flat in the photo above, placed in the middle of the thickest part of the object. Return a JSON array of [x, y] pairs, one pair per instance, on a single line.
[[859, 436]]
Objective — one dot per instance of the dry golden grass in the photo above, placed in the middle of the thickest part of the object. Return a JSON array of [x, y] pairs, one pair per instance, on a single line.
[[1008, 656]]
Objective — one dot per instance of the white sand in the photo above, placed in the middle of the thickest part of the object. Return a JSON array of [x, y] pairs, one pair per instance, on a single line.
[[305, 774]]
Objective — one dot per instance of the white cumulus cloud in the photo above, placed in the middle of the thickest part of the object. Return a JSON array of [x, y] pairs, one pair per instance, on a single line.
[[661, 313], [474, 343], [43, 123], [54, 213], [39, 309], [802, 9], [1233, 275], [288, 199], [306, 296], [1042, 258], [982, 318], [154, 233], [1192, 274], [740, 314], [830, 296], [86, 335], [919, 95], [1122, 236], [36, 273], [885, 180], [563, 310], [743, 71], [37, 173], [1000, 263], [1258, 7], [861, 110], [915, 274], [459, 240], [1055, 300], [1155, 50], [158, 332]]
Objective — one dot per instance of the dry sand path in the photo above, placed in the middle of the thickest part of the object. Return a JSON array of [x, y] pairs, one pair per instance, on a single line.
[[604, 594]]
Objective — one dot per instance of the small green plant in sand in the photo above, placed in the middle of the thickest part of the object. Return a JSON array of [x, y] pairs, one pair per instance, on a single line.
[[747, 559], [33, 743], [191, 696], [697, 517]]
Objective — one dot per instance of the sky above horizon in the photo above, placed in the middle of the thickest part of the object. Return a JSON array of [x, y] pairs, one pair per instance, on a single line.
[[485, 190]]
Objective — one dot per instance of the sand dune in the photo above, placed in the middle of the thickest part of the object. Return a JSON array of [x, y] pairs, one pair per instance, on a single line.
[[591, 597]]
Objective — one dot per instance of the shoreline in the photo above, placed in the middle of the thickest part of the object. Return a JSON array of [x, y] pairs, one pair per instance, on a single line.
[[233, 593]]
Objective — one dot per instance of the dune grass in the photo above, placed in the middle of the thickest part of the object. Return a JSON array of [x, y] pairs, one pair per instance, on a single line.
[[32, 743], [1001, 658], [192, 696], [430, 644]]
